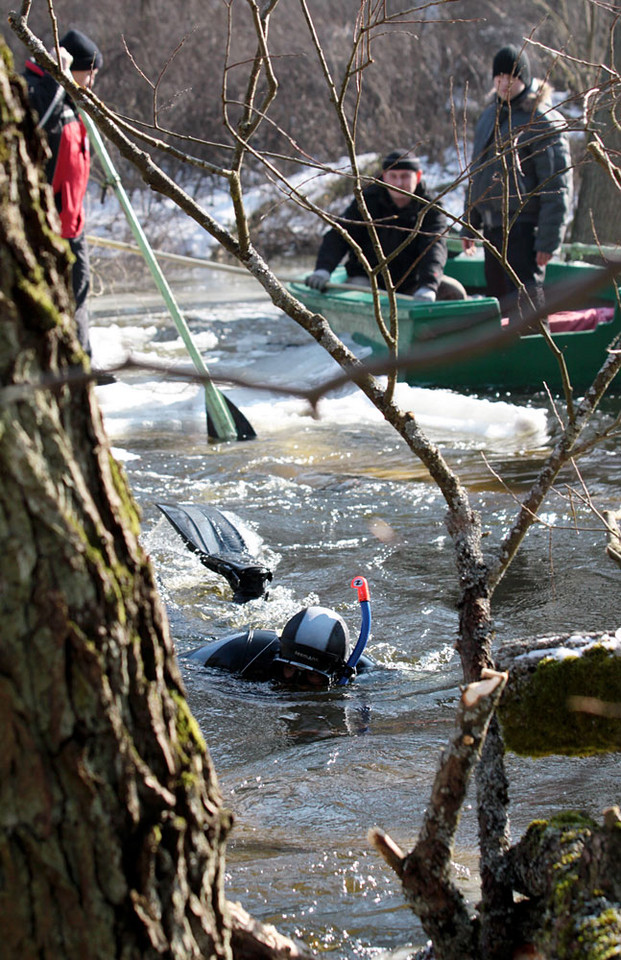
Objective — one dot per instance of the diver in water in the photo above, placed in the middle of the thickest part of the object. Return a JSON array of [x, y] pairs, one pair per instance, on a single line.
[[312, 650]]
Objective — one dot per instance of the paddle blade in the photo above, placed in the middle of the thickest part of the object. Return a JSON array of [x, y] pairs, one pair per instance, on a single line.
[[245, 430]]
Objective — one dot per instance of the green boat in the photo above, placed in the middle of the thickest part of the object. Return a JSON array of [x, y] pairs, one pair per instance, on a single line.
[[428, 332]]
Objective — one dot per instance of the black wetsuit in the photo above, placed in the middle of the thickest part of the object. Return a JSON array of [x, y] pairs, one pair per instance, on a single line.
[[251, 654]]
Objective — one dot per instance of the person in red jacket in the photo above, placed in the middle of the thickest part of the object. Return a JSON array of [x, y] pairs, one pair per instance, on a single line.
[[69, 165]]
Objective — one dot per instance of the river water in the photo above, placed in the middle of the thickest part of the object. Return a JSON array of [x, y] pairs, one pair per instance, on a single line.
[[308, 773]]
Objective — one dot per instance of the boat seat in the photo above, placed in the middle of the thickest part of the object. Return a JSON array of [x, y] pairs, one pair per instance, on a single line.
[[573, 321]]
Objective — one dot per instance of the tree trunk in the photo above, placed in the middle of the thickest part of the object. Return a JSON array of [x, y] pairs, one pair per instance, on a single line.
[[596, 219], [111, 825], [112, 829], [569, 868]]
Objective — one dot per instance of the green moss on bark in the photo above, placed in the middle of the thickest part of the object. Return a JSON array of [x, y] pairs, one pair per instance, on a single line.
[[569, 866], [34, 290], [538, 714], [189, 735], [130, 507]]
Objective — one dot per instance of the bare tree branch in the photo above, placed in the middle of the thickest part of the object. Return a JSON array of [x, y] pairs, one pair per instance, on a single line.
[[425, 871]]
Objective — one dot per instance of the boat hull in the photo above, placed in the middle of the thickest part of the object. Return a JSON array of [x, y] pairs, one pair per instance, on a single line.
[[523, 364]]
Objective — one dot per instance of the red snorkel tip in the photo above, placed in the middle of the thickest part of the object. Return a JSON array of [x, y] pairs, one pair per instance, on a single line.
[[361, 585]]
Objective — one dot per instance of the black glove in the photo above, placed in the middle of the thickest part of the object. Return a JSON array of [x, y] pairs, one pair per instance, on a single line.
[[318, 280]]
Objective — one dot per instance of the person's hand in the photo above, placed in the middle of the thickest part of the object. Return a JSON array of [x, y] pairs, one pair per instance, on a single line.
[[467, 245], [425, 295], [543, 258], [318, 280]]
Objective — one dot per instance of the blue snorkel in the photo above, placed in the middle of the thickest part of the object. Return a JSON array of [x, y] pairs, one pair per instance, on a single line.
[[361, 585]]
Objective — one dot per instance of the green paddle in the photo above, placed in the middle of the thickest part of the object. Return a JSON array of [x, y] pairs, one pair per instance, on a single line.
[[224, 420]]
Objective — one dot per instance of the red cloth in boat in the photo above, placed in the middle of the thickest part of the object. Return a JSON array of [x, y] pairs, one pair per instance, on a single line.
[[570, 321]]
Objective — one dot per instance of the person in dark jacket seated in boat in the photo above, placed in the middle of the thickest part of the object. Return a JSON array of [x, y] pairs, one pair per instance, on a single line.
[[312, 650], [401, 210], [520, 178], [68, 167]]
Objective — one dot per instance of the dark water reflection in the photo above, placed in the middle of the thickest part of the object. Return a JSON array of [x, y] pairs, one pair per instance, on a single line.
[[307, 774]]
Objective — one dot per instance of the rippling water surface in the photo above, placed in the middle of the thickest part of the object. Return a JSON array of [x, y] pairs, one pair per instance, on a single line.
[[307, 774]]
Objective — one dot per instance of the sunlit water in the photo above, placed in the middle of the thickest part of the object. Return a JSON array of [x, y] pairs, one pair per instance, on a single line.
[[307, 774]]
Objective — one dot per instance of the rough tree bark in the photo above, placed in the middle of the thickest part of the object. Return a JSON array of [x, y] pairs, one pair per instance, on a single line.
[[596, 219], [569, 870], [112, 825], [112, 829]]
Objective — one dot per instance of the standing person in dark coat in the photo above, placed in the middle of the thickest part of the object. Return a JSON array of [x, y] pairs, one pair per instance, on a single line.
[[395, 207], [68, 168], [520, 178]]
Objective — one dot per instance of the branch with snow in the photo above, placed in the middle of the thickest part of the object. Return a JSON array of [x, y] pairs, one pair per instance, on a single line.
[[572, 684]]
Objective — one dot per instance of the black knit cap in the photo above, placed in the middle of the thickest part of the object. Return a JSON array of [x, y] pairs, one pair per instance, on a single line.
[[513, 61], [400, 160], [86, 55]]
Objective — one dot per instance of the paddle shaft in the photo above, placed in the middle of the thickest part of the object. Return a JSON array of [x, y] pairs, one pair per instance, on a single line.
[[217, 407]]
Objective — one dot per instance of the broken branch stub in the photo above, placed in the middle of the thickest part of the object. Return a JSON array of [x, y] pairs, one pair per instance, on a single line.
[[426, 871]]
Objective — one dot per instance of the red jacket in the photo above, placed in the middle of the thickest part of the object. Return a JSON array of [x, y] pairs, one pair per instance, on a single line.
[[69, 167]]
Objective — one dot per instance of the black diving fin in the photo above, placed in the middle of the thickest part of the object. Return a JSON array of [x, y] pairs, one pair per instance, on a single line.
[[222, 545]]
